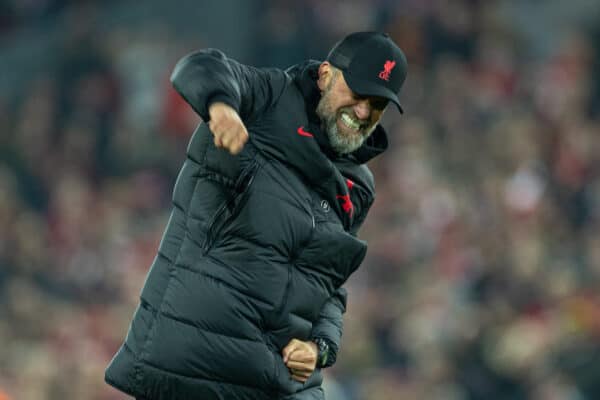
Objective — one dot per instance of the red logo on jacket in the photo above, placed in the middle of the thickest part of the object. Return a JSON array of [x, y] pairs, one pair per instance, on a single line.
[[387, 70], [302, 132], [347, 205]]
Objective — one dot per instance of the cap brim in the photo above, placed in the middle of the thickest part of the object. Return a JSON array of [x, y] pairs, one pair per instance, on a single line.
[[364, 88]]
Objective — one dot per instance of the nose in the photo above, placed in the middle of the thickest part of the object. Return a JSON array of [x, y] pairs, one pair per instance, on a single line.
[[362, 109]]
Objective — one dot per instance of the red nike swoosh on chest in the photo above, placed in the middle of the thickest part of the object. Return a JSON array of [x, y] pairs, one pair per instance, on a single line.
[[302, 132]]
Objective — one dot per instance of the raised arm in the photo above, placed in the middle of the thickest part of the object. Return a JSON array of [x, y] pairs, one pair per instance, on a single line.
[[208, 76], [240, 93]]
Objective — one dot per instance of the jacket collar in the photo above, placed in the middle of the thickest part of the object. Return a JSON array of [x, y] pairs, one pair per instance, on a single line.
[[305, 77]]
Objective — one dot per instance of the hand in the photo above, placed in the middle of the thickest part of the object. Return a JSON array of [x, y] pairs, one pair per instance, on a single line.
[[300, 358], [227, 127]]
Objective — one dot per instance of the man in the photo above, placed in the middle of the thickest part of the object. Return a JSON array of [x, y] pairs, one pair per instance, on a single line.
[[244, 299]]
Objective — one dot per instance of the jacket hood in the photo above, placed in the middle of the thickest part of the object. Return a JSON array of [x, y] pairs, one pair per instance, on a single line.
[[305, 77]]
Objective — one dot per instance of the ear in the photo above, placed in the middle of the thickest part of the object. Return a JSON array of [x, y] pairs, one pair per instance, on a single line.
[[325, 74]]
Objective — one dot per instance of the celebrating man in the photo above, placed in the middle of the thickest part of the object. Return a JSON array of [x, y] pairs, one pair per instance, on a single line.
[[245, 299]]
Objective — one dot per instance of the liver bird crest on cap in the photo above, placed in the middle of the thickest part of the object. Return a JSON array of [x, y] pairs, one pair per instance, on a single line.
[[387, 69]]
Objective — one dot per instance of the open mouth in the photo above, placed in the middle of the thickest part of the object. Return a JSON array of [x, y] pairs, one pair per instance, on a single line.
[[350, 122]]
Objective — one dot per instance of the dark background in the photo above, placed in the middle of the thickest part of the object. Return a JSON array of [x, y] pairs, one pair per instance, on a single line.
[[483, 272]]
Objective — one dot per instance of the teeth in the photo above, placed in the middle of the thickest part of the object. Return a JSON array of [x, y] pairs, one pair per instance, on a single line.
[[349, 122]]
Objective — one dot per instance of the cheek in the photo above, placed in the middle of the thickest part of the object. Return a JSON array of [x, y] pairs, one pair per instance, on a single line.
[[341, 97], [335, 105]]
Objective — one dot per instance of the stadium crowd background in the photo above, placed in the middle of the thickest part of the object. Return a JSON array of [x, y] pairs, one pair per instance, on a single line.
[[483, 275]]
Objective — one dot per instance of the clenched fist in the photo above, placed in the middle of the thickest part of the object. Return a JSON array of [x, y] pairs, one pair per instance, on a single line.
[[300, 358], [227, 127]]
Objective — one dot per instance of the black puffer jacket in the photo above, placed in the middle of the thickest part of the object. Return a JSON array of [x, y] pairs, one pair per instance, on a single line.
[[257, 246]]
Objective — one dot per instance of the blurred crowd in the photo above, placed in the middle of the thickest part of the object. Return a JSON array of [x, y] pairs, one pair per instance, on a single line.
[[482, 276]]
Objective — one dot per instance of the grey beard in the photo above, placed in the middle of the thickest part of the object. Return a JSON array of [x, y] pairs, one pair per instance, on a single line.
[[341, 144]]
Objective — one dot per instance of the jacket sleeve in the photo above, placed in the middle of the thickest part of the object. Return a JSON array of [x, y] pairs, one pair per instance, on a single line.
[[207, 76], [330, 324]]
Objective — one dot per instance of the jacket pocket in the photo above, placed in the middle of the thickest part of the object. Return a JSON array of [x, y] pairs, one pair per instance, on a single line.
[[231, 207], [276, 321]]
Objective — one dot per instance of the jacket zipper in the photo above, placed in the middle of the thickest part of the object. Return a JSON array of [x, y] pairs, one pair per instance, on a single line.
[[287, 289], [241, 194]]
